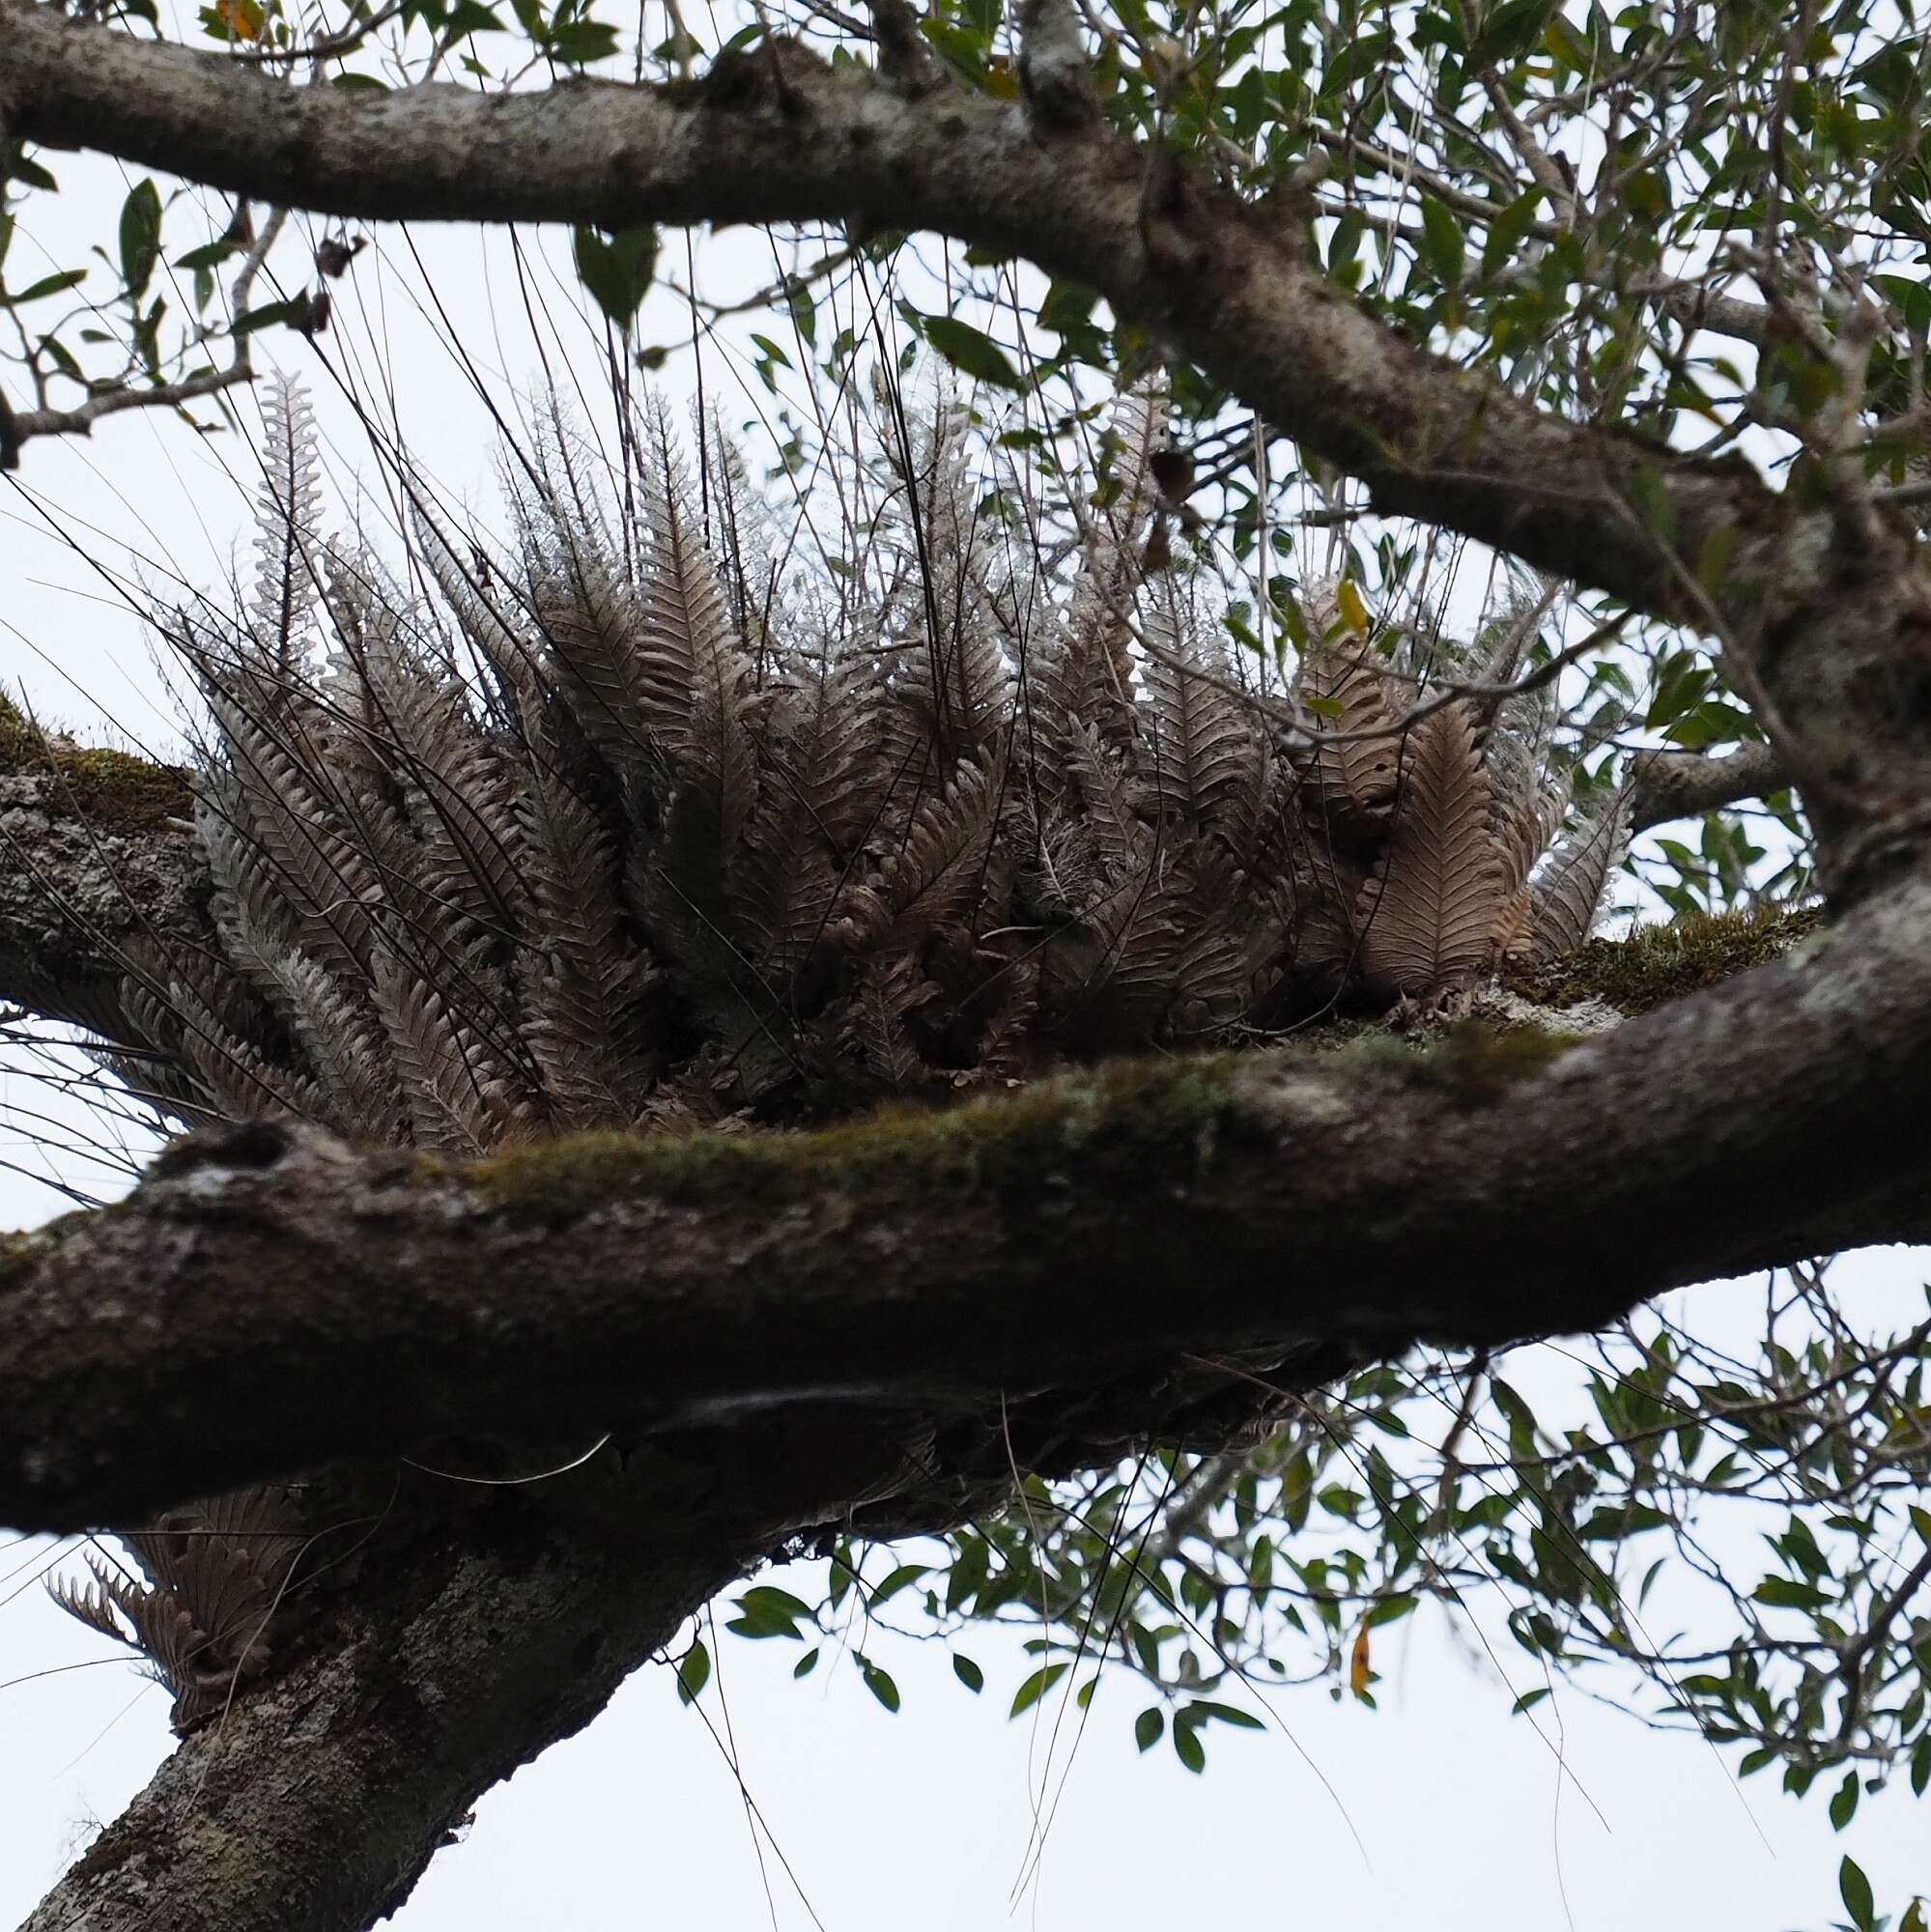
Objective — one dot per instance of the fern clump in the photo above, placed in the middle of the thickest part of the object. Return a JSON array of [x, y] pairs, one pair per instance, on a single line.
[[635, 824]]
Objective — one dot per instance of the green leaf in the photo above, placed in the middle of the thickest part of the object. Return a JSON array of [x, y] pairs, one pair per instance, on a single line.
[[1036, 1686], [1844, 1802], [1345, 243], [364, 83], [967, 1673], [33, 174], [616, 269], [694, 1672], [1441, 241], [906, 1575], [1506, 234], [208, 256], [253, 318], [1509, 31], [1856, 1890], [972, 353], [769, 1611], [1147, 1726], [1786, 1593], [806, 1664], [877, 1682], [1187, 1746], [1226, 1713], [49, 285], [582, 42], [140, 236]]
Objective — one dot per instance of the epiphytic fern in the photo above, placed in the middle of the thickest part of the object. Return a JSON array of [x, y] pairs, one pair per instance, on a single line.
[[215, 1573], [619, 826]]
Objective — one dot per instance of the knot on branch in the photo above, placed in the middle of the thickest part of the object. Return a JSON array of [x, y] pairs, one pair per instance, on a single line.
[[765, 74], [1054, 73], [906, 61]]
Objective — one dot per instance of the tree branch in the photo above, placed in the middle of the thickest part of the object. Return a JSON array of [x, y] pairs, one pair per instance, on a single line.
[[1064, 1240], [95, 854], [316, 1802], [760, 139], [1683, 784]]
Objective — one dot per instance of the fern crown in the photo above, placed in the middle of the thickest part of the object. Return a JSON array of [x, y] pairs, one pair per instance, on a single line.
[[638, 822]]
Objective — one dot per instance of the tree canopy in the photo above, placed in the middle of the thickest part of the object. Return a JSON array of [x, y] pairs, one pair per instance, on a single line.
[[1258, 506]]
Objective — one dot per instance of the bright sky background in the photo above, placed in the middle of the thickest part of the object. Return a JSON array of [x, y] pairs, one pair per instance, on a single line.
[[1466, 1818]]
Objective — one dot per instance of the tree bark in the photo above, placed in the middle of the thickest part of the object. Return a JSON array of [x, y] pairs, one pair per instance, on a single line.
[[1069, 1238], [1685, 784], [316, 1802]]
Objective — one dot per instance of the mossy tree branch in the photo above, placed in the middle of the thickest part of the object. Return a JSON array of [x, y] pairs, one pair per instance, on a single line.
[[1069, 1239]]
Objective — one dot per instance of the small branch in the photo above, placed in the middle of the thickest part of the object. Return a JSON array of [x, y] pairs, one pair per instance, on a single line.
[[1543, 165], [80, 420], [905, 57], [1851, 1672]]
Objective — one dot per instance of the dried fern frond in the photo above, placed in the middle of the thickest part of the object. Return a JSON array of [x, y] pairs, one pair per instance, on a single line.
[[1204, 762], [1351, 771], [1429, 915], [216, 1574], [288, 541], [1567, 893]]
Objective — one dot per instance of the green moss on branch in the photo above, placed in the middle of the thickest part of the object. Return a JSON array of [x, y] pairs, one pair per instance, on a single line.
[[1660, 964], [112, 789], [1155, 1118]]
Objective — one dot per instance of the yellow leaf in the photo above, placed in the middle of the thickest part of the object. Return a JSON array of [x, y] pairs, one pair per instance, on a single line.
[[244, 19], [1357, 1663], [1000, 81], [1352, 610]]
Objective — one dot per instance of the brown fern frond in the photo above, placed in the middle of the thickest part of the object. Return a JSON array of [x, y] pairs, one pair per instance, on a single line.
[[871, 1033], [747, 543], [96, 1602], [457, 1098], [590, 614], [287, 545], [1349, 779], [1429, 915], [936, 876], [1567, 891], [343, 1039], [1204, 762], [585, 972], [324, 878]]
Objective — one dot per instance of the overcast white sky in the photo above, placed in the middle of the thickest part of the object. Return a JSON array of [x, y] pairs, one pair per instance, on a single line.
[[1467, 1817]]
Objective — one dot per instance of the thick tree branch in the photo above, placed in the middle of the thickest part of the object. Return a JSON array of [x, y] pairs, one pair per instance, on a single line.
[[316, 1802], [96, 855], [1682, 784], [1820, 614], [775, 135], [1067, 1239]]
